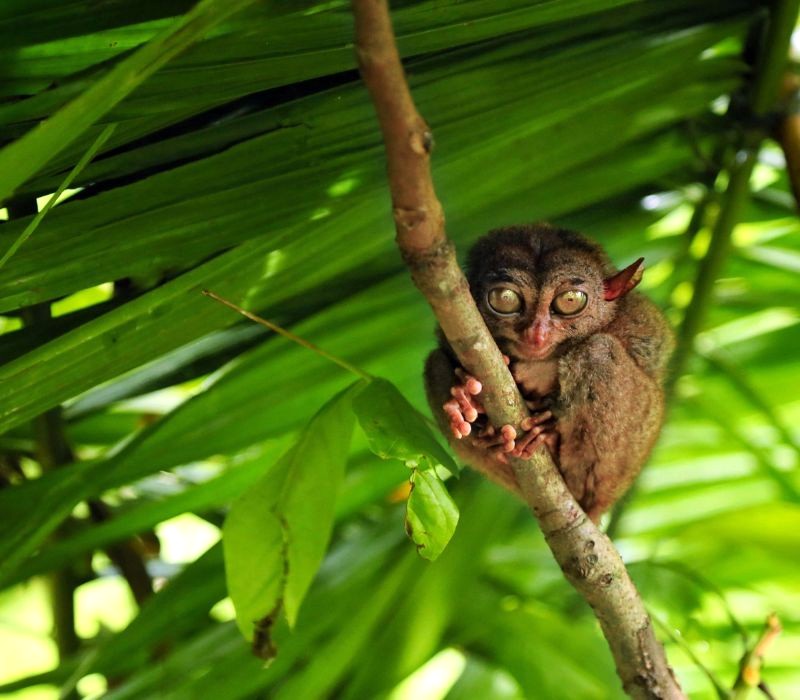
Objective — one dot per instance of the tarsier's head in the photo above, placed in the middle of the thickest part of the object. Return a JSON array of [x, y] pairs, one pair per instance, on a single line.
[[541, 289]]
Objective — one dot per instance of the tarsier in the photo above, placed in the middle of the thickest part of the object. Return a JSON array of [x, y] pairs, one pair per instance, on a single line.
[[587, 353]]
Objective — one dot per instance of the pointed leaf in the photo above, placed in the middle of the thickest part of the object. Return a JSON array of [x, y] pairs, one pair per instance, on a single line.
[[25, 157], [276, 534], [431, 514], [396, 430]]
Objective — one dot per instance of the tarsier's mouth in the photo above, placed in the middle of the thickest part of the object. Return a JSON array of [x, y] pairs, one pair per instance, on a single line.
[[529, 352]]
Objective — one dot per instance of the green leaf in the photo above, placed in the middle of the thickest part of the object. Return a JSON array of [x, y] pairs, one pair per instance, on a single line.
[[24, 157], [396, 430], [144, 514], [179, 606], [276, 534], [81, 164], [431, 514]]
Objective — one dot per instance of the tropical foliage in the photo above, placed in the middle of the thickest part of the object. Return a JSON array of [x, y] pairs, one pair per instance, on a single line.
[[229, 146]]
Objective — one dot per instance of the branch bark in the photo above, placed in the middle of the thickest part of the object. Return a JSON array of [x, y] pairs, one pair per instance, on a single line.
[[587, 557]]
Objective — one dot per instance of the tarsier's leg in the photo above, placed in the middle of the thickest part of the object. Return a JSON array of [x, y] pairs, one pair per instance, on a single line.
[[609, 412]]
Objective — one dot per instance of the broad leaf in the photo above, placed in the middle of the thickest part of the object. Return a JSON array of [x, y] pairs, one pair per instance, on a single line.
[[27, 155], [396, 430], [276, 534]]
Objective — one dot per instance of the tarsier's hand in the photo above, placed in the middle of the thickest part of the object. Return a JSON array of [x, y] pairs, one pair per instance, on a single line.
[[464, 408], [464, 411]]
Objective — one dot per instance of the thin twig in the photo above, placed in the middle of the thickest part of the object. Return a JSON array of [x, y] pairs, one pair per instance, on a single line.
[[678, 640], [288, 334], [586, 556]]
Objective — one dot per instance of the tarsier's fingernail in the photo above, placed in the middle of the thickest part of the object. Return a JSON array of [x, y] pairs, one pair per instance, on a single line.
[[509, 432], [474, 387], [471, 415], [466, 429], [526, 424]]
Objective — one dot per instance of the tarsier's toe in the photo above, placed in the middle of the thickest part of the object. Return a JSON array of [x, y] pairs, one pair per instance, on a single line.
[[536, 419], [539, 430], [509, 435], [533, 440], [497, 443]]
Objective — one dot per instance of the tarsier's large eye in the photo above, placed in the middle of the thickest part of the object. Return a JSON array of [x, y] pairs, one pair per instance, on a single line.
[[504, 300], [570, 302]]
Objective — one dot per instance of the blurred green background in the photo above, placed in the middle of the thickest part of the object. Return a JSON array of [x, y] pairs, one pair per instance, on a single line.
[[134, 410]]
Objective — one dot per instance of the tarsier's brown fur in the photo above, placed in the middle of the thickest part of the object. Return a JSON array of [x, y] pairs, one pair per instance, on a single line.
[[592, 379]]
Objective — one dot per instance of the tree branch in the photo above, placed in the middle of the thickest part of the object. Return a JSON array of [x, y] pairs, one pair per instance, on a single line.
[[588, 558], [750, 668]]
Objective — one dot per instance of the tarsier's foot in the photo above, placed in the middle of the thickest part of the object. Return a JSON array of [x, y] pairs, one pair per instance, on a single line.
[[539, 430], [498, 443]]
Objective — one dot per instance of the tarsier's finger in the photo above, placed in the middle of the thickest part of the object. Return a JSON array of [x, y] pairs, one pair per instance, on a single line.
[[470, 384], [465, 402], [459, 427]]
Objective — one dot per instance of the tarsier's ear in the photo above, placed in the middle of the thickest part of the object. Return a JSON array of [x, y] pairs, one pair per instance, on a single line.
[[625, 280]]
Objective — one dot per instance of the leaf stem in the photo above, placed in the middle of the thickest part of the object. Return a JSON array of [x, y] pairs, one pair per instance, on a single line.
[[288, 334]]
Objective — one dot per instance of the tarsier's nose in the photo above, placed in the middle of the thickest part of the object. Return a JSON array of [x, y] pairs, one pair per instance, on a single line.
[[537, 334]]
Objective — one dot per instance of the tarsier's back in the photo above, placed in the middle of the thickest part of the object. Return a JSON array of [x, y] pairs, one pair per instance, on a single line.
[[587, 353]]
